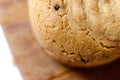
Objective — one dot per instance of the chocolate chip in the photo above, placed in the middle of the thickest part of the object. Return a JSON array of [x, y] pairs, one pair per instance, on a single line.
[[57, 7], [84, 60]]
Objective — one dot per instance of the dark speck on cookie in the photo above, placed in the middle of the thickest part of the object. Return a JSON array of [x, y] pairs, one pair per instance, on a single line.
[[56, 7], [84, 60]]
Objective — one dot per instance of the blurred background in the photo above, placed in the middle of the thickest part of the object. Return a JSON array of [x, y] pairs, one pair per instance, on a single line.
[[8, 70]]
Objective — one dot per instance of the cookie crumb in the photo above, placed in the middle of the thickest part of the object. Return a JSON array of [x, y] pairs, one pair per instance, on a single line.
[[57, 7]]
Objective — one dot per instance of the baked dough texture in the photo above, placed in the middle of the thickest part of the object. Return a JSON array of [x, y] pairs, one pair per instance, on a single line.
[[80, 33]]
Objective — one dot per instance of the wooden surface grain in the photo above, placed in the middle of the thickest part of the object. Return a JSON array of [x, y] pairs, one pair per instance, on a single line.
[[31, 58]]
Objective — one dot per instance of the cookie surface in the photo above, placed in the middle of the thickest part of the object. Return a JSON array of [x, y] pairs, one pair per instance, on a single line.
[[81, 33]]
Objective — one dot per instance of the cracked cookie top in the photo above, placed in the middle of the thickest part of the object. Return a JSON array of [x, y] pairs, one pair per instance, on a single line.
[[78, 32]]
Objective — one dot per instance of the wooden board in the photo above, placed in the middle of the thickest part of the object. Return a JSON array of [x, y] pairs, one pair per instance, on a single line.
[[31, 58]]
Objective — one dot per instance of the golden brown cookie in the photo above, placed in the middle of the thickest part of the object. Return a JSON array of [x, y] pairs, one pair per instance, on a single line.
[[80, 33]]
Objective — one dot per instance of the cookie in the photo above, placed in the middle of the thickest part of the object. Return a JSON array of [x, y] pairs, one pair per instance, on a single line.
[[79, 33]]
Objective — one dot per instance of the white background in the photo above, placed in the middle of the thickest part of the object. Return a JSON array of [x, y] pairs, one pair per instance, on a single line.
[[8, 70]]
